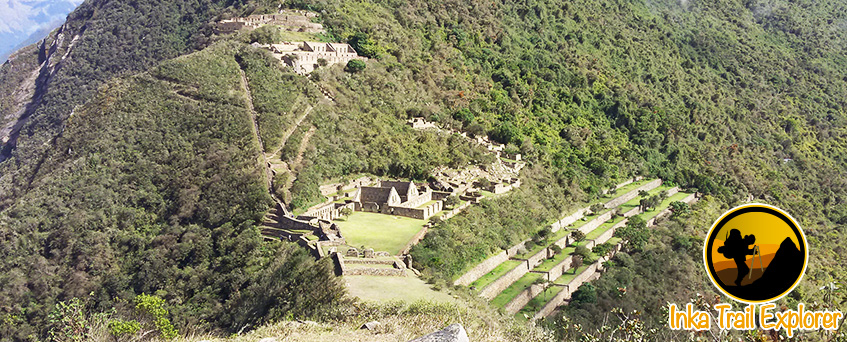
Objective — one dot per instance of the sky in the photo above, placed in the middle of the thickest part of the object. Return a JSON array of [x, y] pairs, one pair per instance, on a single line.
[[24, 22]]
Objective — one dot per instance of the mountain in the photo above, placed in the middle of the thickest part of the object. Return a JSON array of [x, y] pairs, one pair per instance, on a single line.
[[25, 22], [134, 138]]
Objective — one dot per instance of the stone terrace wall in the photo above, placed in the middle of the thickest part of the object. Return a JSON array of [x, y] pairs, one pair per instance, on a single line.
[[569, 289], [596, 222], [567, 220], [560, 269], [522, 298], [414, 241], [633, 194], [488, 265], [492, 262], [493, 289]]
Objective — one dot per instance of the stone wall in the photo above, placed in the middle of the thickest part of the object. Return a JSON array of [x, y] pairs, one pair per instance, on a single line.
[[633, 194], [414, 241], [522, 298], [560, 269], [563, 242], [482, 269], [397, 271], [493, 289], [568, 290], [567, 220], [596, 222], [418, 213]]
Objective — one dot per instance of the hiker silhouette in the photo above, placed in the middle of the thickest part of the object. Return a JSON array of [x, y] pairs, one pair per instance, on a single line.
[[737, 249]]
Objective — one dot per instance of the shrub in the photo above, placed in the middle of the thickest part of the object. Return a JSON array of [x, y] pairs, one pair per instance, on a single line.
[[596, 208], [451, 201], [119, 328], [577, 235], [355, 65]]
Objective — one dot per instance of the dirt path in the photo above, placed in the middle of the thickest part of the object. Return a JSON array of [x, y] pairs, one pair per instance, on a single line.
[[289, 132], [248, 100]]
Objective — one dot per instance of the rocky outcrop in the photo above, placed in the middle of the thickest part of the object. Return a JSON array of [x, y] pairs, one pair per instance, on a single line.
[[452, 333]]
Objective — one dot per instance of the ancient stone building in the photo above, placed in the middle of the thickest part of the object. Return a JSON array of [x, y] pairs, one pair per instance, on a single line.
[[292, 21], [308, 56], [398, 198]]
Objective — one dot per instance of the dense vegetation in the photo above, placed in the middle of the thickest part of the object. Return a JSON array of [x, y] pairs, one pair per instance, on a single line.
[[732, 99], [154, 188]]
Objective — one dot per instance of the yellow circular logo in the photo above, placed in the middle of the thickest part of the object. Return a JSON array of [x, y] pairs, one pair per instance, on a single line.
[[755, 253]]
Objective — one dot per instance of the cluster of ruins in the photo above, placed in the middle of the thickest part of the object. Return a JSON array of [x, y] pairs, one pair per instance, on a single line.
[[305, 57], [299, 21]]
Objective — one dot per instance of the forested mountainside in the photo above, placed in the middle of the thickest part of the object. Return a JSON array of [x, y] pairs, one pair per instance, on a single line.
[[136, 171]]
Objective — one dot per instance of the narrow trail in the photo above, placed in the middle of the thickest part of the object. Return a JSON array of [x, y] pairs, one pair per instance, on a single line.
[[295, 164], [290, 131], [266, 165]]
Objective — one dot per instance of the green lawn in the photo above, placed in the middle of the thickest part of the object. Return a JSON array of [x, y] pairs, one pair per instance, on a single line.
[[531, 252], [548, 264], [378, 231], [382, 289], [603, 228], [517, 287], [629, 187], [665, 204], [496, 273], [537, 303], [569, 275]]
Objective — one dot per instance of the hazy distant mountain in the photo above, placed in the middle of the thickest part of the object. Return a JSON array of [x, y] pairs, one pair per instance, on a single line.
[[23, 22]]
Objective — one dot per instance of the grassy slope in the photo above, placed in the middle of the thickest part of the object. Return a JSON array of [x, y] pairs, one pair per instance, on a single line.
[[155, 186]]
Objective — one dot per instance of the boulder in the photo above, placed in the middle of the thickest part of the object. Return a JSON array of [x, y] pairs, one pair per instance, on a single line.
[[452, 333], [352, 252], [370, 325], [368, 252]]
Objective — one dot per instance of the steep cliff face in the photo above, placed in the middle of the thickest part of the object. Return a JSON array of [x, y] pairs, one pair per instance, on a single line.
[[101, 39], [27, 84]]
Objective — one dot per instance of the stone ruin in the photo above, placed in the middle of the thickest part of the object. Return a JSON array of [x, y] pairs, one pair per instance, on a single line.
[[298, 21], [305, 57]]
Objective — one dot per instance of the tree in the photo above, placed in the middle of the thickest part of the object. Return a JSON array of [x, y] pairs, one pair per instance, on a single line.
[[586, 293], [451, 201], [596, 208], [322, 62], [556, 249], [679, 209], [582, 251], [603, 249], [576, 262], [346, 211], [365, 46], [634, 233], [484, 183], [577, 235], [355, 65], [265, 35]]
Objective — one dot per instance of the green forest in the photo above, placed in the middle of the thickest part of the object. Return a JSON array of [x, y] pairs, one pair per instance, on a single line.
[[136, 182]]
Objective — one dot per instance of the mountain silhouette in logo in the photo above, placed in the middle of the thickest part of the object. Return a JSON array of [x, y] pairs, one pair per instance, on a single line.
[[783, 270]]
